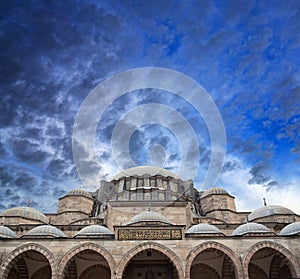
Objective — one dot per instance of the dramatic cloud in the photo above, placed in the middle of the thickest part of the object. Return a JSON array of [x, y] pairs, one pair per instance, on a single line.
[[244, 53]]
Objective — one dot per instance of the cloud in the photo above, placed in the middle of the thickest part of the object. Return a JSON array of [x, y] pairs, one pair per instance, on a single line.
[[57, 168], [27, 151], [250, 196], [5, 176], [231, 165], [8, 114], [259, 174], [53, 55], [26, 182]]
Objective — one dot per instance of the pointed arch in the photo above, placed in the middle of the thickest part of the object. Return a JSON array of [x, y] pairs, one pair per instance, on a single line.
[[174, 259], [8, 261], [217, 246], [291, 260], [82, 247]]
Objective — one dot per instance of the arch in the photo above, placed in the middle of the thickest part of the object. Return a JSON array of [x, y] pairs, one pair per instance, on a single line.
[[86, 246], [218, 246], [292, 262], [174, 259], [8, 261]]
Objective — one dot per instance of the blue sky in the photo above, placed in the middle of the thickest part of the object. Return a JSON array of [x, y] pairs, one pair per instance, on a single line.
[[245, 54]]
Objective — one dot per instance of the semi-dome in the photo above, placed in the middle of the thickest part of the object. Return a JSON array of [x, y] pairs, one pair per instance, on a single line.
[[203, 229], [25, 212], [6, 232], [79, 192], [95, 230], [145, 170], [251, 228], [45, 230], [148, 217], [291, 229], [214, 191], [269, 210]]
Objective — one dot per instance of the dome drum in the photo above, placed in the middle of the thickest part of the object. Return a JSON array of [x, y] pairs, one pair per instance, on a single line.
[[149, 183], [145, 171], [217, 199], [76, 200]]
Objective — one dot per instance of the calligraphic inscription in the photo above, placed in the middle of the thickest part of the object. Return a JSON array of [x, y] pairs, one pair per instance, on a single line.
[[149, 234]]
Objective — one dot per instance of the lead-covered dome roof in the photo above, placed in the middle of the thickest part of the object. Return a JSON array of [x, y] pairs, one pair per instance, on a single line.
[[148, 217], [25, 212], [203, 229], [79, 192], [269, 210], [6, 232], [145, 170], [291, 229], [45, 230], [251, 228], [94, 230], [214, 191]]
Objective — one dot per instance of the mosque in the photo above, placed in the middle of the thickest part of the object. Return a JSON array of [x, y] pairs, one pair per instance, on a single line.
[[148, 223]]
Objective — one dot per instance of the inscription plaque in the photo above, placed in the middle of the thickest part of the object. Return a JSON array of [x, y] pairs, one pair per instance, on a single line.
[[149, 234]]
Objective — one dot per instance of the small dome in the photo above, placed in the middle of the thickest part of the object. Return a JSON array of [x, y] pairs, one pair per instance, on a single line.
[[291, 229], [203, 229], [7, 233], [214, 191], [94, 230], [79, 192], [145, 170], [149, 217], [269, 210], [251, 228], [25, 212], [45, 230]]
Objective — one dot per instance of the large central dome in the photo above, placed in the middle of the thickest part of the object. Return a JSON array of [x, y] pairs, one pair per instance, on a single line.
[[146, 183], [145, 170]]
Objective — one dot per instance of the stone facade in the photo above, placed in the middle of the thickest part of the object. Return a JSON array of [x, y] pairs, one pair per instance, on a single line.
[[147, 223]]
